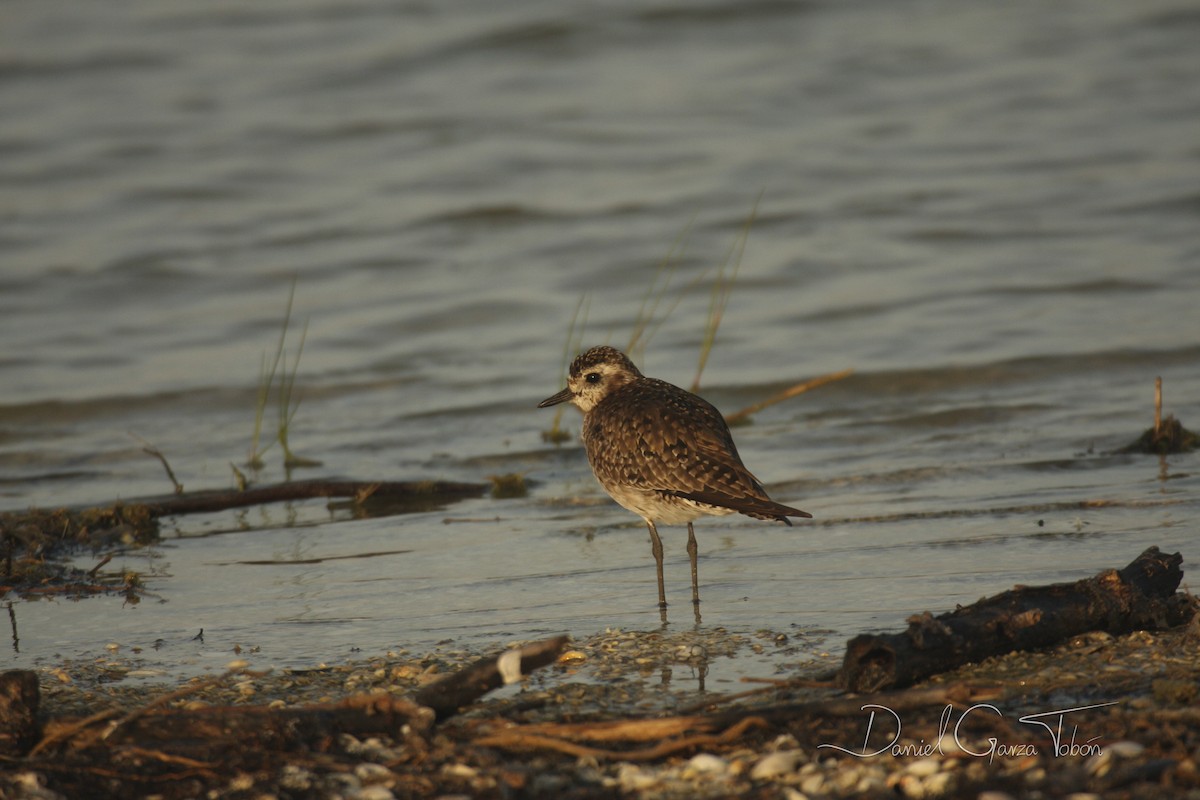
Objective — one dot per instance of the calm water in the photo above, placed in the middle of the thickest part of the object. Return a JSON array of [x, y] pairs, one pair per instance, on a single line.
[[988, 211]]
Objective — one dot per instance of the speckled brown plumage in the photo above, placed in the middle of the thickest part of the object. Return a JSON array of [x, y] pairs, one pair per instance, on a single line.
[[661, 452]]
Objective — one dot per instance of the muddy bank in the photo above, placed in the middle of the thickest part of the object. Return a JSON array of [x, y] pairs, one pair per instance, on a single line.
[[1097, 696], [1112, 716]]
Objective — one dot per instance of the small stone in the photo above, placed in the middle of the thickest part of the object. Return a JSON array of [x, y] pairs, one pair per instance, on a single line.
[[707, 764], [295, 778], [924, 767], [572, 657], [909, 786], [939, 784], [813, 784], [241, 783], [369, 772], [774, 765], [785, 741], [948, 745], [459, 771], [1125, 749], [376, 792], [1100, 764], [632, 778]]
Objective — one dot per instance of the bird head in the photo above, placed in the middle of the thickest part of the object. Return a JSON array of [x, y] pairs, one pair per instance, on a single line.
[[594, 375]]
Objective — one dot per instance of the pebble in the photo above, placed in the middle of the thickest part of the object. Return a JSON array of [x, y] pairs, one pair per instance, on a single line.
[[459, 771], [774, 765], [369, 772], [938, 785], [813, 784], [572, 657], [241, 783], [706, 764], [781, 766], [295, 778], [924, 767], [632, 778], [1125, 749]]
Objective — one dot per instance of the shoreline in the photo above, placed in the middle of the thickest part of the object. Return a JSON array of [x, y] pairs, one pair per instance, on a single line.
[[1129, 701]]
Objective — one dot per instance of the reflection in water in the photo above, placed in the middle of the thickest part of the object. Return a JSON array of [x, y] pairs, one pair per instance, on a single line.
[[12, 619]]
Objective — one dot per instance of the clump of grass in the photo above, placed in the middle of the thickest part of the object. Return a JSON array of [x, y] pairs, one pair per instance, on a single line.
[[287, 409], [1166, 436], [266, 379], [508, 485], [645, 326], [285, 395]]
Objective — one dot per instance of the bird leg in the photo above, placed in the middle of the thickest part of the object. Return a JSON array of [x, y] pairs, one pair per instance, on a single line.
[[657, 548], [692, 550]]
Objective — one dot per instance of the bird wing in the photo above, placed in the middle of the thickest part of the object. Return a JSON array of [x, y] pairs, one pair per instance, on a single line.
[[678, 444]]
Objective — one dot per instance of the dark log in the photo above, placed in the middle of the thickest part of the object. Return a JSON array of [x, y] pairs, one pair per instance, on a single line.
[[470, 683], [424, 493], [1139, 597]]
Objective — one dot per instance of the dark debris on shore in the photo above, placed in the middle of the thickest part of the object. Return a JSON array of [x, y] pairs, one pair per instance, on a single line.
[[570, 732]]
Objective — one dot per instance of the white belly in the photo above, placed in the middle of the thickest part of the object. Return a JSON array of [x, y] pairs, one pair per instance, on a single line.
[[668, 510]]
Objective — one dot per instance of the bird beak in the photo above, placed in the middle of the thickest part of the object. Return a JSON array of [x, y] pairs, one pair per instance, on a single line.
[[555, 399]]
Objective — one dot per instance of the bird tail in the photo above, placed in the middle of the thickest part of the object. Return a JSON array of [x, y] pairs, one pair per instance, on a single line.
[[759, 508]]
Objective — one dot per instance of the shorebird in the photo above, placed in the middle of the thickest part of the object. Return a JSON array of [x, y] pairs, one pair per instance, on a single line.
[[661, 452]]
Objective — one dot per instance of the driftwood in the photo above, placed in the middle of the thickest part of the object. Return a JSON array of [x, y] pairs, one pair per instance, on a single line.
[[1139, 597], [650, 739], [47, 532], [178, 751], [470, 683], [417, 492]]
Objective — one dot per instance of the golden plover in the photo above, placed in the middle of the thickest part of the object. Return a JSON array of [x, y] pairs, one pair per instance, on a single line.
[[660, 451]]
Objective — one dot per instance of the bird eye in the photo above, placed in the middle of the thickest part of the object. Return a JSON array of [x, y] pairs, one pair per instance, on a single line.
[[593, 377]]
